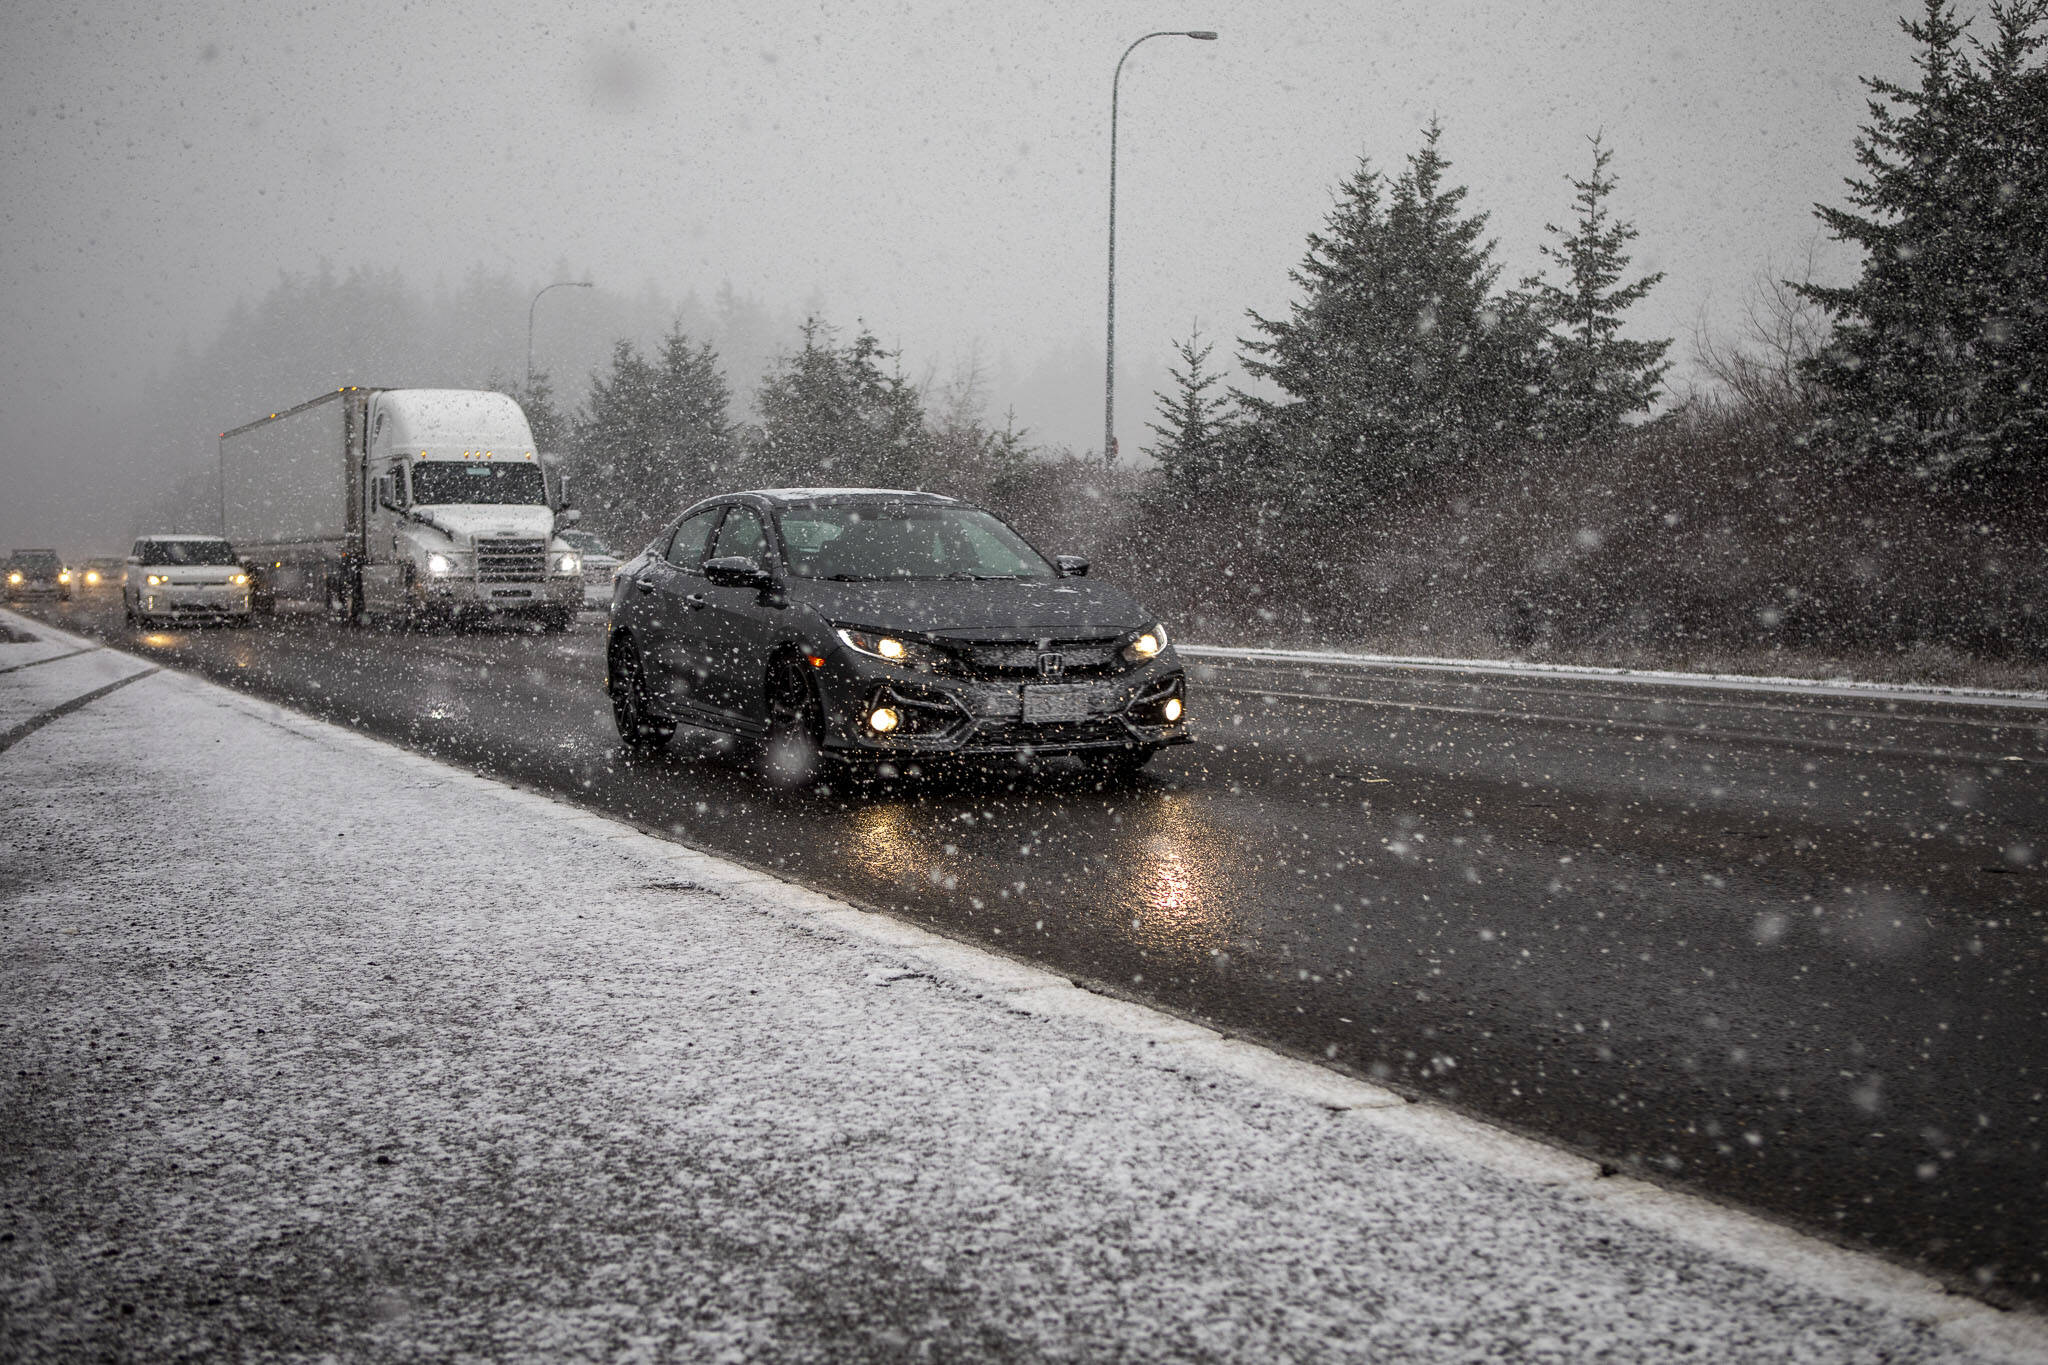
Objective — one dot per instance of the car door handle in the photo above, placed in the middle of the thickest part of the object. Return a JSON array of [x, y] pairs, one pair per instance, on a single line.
[[643, 585], [697, 601]]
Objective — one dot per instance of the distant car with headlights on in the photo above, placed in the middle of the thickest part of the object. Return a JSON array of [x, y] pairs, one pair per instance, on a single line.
[[599, 564], [37, 573], [97, 576], [171, 578], [883, 628]]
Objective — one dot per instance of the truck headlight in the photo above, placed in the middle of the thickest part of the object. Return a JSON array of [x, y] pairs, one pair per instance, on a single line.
[[239, 580], [568, 564], [440, 565]]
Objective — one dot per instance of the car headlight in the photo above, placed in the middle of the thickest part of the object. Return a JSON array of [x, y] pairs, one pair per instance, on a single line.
[[157, 580], [64, 576], [438, 565], [1148, 644], [14, 578], [568, 564], [92, 576], [890, 648]]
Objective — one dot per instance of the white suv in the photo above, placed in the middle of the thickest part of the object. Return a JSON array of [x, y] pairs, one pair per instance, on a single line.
[[172, 578]]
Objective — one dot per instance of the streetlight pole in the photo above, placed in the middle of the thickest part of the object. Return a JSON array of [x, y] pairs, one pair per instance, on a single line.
[[558, 284], [1109, 377]]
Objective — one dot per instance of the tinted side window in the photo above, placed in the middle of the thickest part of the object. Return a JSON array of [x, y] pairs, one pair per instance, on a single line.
[[686, 550], [741, 535]]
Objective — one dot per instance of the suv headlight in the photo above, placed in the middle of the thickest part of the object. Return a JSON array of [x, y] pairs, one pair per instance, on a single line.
[[1146, 645], [157, 580], [890, 648], [568, 564]]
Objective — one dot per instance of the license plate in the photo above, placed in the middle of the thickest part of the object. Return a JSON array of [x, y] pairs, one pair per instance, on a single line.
[[511, 592], [1055, 703]]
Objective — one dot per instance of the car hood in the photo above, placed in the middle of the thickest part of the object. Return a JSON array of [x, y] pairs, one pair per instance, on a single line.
[[988, 610]]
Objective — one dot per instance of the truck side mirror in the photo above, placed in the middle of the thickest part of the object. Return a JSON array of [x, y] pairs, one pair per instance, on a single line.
[[562, 492], [387, 492], [568, 516]]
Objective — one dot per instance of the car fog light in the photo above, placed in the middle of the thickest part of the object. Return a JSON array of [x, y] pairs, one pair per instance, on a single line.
[[883, 719], [1173, 709]]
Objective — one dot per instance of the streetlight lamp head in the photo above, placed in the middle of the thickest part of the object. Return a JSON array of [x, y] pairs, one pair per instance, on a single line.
[[1207, 35]]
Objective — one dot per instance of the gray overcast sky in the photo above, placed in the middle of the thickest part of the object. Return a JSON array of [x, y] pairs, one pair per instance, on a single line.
[[937, 169]]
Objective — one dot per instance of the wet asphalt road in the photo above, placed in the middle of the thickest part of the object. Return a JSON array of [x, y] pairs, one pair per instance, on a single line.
[[1785, 950]]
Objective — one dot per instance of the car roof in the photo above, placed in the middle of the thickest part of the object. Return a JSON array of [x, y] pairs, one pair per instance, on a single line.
[[797, 495]]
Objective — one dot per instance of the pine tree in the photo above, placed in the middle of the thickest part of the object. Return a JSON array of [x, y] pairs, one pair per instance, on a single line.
[[653, 436], [1398, 357], [1191, 429], [1594, 378], [832, 414], [1938, 358]]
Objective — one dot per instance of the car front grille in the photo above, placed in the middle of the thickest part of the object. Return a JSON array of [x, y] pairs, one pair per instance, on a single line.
[[1021, 659], [511, 561]]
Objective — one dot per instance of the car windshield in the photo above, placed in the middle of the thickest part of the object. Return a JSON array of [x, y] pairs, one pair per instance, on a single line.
[[585, 542], [158, 552], [904, 540], [31, 562], [455, 481]]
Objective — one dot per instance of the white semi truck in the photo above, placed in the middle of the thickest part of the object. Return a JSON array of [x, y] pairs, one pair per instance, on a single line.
[[420, 504]]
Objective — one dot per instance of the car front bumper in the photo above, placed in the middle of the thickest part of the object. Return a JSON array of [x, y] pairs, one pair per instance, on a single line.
[[939, 715], [194, 602]]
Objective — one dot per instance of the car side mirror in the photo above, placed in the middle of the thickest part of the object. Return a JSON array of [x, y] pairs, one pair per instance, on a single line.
[[1071, 566], [737, 571]]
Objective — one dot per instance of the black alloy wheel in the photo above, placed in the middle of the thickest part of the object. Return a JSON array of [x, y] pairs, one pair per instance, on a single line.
[[792, 752], [640, 731]]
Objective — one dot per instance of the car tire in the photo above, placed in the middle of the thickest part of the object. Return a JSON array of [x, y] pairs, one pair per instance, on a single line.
[[792, 753], [641, 732]]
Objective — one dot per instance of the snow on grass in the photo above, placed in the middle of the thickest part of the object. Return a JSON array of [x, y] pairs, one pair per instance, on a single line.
[[311, 1046]]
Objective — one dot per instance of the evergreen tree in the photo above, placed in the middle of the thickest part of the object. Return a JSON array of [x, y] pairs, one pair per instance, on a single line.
[[1191, 428], [832, 414], [1397, 357], [552, 428], [1938, 358], [654, 436], [1594, 378]]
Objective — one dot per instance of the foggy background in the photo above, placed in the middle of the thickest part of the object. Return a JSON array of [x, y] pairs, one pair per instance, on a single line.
[[936, 171]]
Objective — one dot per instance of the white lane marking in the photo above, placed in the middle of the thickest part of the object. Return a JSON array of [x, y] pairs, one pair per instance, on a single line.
[[1838, 687]]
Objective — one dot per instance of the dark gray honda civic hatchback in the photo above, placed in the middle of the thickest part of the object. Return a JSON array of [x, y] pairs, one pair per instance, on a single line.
[[878, 627]]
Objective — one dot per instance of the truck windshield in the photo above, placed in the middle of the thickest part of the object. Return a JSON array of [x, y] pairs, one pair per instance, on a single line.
[[444, 481], [187, 552]]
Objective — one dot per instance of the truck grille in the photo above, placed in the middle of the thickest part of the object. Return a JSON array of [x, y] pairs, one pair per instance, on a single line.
[[511, 561]]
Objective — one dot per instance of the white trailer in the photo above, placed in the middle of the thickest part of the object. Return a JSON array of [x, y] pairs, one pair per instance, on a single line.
[[417, 503]]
